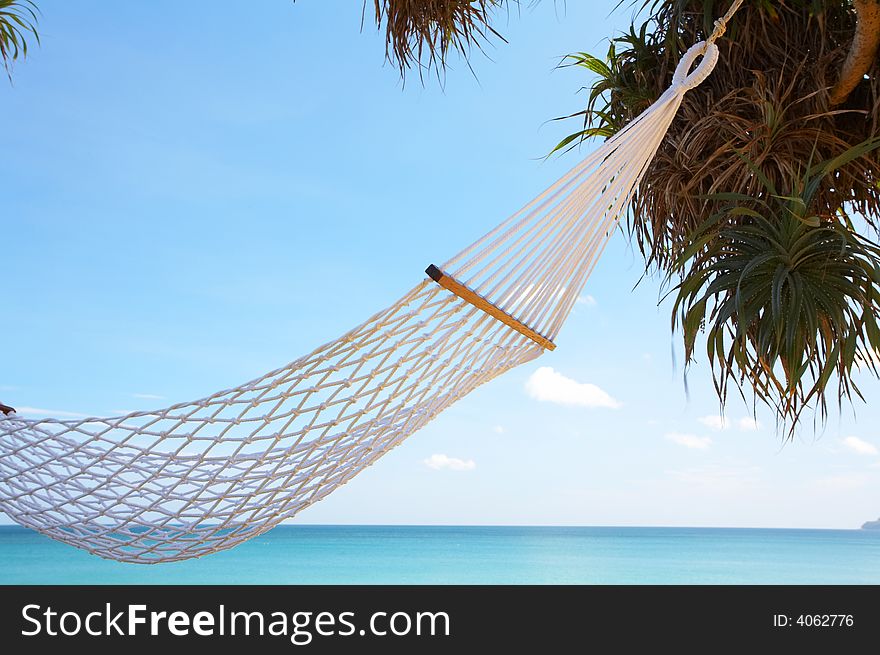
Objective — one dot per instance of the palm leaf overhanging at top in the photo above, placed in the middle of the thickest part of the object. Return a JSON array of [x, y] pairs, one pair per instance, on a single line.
[[421, 34], [18, 21]]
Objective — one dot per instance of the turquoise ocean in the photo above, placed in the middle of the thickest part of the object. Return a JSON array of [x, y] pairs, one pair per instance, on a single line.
[[310, 554]]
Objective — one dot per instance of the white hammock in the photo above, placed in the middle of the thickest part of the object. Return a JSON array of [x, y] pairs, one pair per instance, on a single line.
[[204, 476]]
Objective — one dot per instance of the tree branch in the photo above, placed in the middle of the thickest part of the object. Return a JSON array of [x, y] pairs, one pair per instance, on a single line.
[[862, 51], [6, 409]]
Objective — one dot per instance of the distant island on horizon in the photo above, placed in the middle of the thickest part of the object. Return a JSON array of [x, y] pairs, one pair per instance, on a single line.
[[871, 525]]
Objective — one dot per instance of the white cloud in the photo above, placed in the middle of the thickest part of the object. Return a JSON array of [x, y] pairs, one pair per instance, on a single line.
[[54, 413], [498, 429], [440, 462], [586, 300], [715, 422], [748, 424], [719, 423], [546, 385], [688, 440], [147, 396], [860, 446]]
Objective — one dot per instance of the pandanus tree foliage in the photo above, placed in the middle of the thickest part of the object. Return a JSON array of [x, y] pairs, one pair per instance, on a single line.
[[761, 208], [762, 205], [787, 298]]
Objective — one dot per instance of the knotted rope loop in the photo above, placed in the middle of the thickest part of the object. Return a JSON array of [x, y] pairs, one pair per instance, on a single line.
[[687, 79], [707, 49]]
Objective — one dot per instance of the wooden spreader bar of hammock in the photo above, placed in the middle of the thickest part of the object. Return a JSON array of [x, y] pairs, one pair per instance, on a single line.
[[451, 284]]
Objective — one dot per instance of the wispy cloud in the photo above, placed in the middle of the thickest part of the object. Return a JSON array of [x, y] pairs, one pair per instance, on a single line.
[[546, 385], [860, 446], [8, 387], [688, 440], [52, 413], [718, 423], [498, 429], [748, 424], [440, 462], [147, 396], [586, 301], [715, 422]]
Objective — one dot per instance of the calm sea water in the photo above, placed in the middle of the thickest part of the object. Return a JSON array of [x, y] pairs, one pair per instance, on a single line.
[[474, 555]]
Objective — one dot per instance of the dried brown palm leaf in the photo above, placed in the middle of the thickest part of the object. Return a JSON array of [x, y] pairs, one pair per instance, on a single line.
[[768, 98], [420, 34]]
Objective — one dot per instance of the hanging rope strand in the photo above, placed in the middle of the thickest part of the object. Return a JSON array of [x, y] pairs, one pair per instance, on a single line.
[[721, 23]]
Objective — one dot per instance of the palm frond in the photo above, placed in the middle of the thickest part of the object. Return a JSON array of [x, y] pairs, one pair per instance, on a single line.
[[421, 34], [18, 23], [789, 300]]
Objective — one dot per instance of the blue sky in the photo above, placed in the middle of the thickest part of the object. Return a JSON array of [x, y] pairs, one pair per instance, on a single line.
[[195, 193]]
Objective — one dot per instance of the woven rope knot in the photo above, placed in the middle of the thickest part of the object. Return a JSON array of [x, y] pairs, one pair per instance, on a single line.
[[687, 79]]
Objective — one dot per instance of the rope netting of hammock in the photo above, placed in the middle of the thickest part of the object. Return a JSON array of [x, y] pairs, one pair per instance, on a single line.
[[200, 477]]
